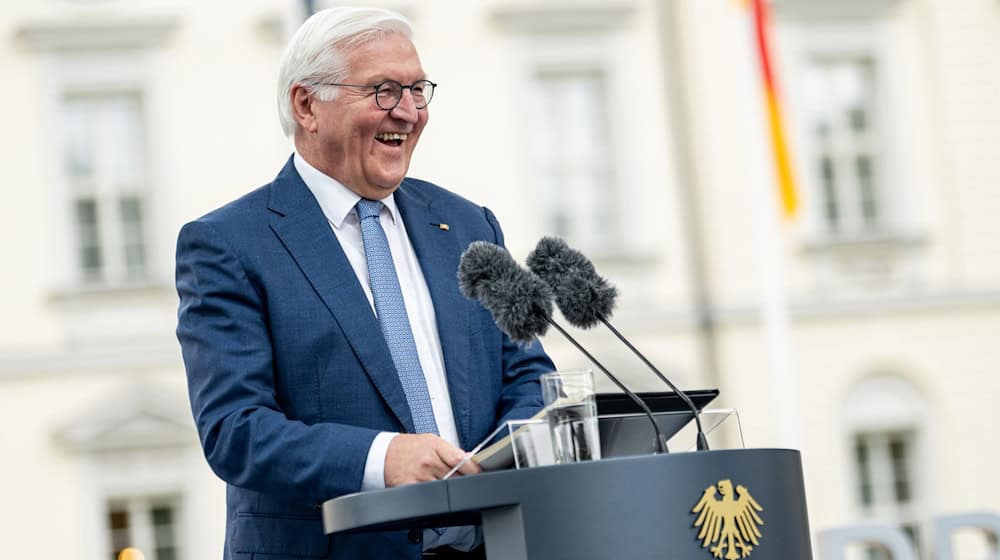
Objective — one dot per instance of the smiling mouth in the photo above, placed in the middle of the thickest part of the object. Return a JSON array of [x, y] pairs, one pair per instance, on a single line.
[[391, 138]]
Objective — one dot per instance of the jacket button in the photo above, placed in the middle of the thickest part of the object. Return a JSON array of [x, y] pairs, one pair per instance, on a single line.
[[415, 536]]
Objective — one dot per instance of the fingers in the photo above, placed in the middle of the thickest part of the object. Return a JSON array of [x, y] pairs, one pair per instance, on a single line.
[[470, 467], [410, 458], [455, 457], [436, 463], [422, 457]]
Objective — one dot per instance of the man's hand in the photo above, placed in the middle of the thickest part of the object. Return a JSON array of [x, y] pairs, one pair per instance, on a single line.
[[422, 457]]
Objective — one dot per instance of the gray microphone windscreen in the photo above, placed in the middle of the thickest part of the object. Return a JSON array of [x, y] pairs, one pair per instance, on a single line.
[[583, 296], [519, 301]]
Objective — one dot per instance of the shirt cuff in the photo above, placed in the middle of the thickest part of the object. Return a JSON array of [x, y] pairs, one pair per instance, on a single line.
[[375, 463]]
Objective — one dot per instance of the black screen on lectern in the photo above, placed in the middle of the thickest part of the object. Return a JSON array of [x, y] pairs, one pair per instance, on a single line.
[[619, 403]]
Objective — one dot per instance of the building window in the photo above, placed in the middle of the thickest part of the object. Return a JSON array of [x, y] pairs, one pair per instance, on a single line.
[[569, 65], [884, 470], [135, 450], [852, 127], [572, 160], [104, 166], [839, 100], [98, 82], [886, 416], [148, 524]]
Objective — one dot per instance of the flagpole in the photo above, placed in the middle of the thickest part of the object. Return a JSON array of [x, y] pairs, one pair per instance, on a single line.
[[774, 316], [772, 278]]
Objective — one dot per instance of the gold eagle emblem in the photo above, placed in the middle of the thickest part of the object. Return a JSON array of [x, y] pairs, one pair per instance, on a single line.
[[730, 524]]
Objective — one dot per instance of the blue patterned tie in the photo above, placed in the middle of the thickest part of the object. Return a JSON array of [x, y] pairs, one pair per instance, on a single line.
[[391, 311]]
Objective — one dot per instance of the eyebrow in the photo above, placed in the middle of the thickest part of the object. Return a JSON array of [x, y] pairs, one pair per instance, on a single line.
[[379, 78]]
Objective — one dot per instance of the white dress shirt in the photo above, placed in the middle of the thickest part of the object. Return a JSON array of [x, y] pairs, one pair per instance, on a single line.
[[337, 203]]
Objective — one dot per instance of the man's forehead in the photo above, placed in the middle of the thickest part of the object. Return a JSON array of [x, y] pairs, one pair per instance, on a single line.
[[385, 58]]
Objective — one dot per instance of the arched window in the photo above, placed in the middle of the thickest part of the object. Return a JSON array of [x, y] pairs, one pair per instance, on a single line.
[[886, 421]]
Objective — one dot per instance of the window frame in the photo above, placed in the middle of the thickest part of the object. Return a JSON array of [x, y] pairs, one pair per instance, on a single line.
[[143, 533], [592, 38], [805, 40], [602, 168], [108, 200], [878, 407], [136, 443], [98, 72], [842, 150]]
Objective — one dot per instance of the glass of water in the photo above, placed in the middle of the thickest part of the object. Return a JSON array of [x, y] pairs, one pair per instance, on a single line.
[[572, 415]]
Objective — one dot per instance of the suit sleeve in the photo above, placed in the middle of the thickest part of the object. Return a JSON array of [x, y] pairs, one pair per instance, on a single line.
[[521, 395], [248, 441]]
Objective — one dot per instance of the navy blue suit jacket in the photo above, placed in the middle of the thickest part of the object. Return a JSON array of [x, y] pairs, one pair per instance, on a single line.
[[289, 375]]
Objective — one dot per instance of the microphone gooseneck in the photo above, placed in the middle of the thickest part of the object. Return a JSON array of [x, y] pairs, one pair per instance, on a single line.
[[586, 298], [702, 442], [661, 442], [521, 305]]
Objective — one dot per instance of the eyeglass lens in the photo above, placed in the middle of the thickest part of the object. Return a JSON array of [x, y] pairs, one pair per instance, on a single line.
[[388, 94]]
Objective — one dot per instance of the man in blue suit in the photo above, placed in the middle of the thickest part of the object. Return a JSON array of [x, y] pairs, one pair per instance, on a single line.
[[328, 349]]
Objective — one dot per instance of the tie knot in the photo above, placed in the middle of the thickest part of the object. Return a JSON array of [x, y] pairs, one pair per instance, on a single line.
[[368, 208]]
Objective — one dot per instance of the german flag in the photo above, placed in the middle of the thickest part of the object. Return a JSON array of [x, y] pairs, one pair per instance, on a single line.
[[783, 165]]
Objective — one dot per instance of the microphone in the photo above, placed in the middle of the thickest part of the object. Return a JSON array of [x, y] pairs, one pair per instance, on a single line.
[[585, 299], [521, 305], [519, 301]]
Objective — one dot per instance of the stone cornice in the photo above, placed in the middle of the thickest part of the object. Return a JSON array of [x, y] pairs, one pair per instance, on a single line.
[[95, 34], [825, 10], [556, 19]]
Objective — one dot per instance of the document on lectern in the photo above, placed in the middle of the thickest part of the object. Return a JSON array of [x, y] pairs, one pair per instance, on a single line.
[[500, 454], [527, 443], [617, 415]]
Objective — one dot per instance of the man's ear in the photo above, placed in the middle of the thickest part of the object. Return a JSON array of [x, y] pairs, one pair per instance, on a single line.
[[302, 107]]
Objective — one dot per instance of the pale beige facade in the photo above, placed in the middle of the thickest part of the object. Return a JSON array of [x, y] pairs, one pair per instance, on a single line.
[[636, 129]]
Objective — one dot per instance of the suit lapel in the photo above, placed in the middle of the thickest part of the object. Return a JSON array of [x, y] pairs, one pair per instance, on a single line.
[[438, 251], [299, 223]]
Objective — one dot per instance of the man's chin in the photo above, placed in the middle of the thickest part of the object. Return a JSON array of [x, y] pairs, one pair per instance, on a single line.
[[377, 191], [389, 181]]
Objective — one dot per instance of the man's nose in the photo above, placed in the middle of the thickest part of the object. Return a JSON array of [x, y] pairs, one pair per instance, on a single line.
[[406, 109]]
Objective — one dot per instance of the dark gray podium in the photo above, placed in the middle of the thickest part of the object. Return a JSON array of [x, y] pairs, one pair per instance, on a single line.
[[628, 507]]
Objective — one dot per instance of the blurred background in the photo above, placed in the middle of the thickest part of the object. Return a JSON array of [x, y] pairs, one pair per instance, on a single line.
[[861, 329]]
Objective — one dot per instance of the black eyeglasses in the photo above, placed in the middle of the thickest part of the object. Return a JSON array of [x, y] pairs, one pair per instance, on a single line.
[[390, 92]]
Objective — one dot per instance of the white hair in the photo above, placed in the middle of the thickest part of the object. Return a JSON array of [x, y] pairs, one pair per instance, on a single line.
[[318, 51]]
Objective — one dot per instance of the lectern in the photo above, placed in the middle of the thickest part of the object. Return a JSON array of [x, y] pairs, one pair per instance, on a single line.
[[730, 504]]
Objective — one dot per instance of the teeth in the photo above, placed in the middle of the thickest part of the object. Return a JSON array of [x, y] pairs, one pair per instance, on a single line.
[[388, 136]]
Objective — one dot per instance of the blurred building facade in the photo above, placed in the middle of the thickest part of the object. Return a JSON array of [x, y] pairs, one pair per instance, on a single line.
[[635, 129]]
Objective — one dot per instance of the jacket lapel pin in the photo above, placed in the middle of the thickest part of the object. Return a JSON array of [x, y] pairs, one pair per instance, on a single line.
[[443, 227]]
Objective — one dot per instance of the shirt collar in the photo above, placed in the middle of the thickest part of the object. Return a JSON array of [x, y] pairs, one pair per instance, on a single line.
[[334, 198]]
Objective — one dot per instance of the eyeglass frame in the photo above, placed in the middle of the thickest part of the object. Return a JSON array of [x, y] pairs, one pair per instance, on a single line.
[[375, 88]]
